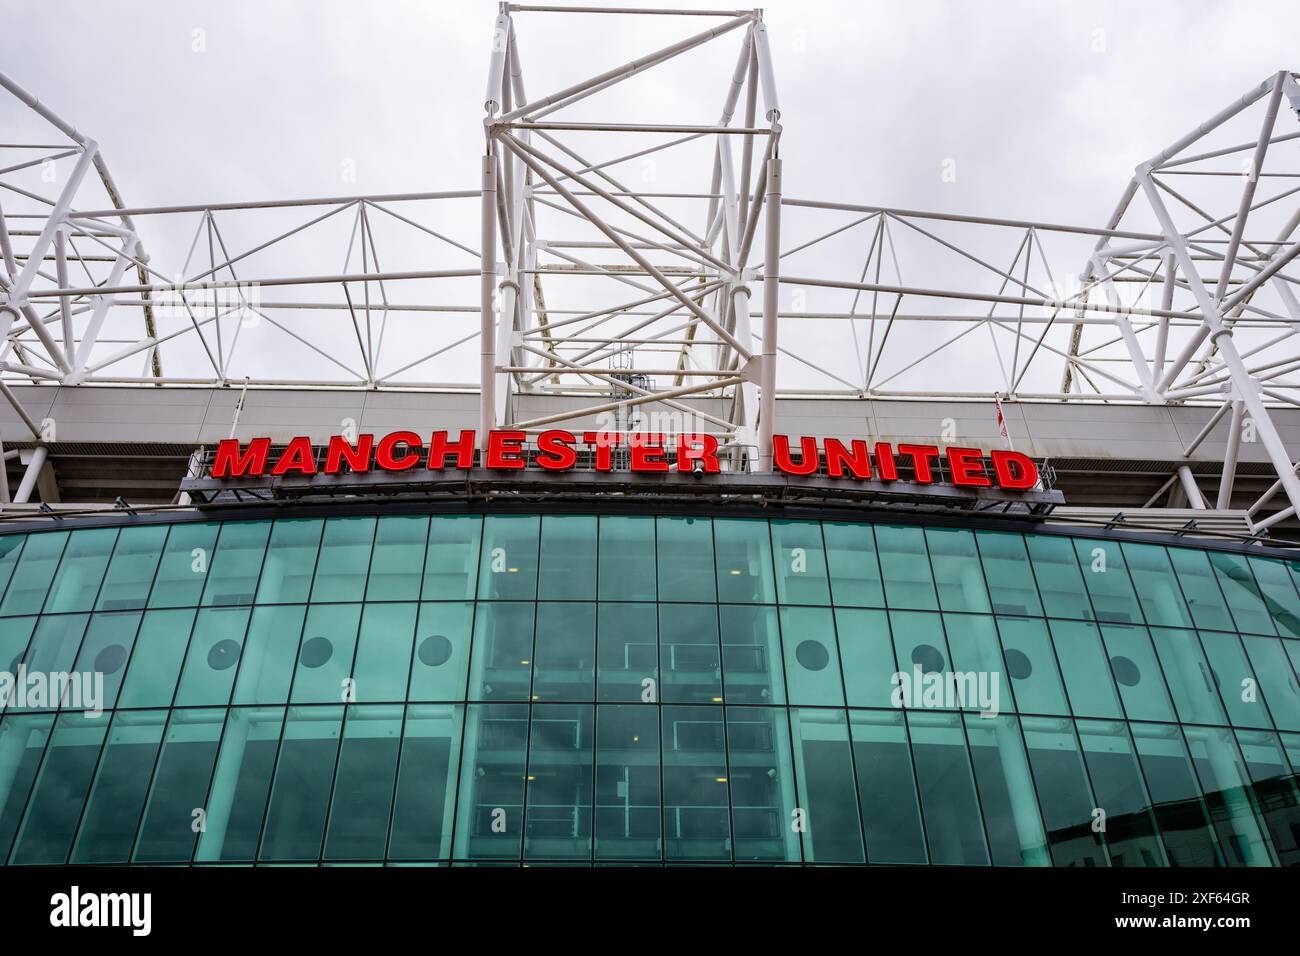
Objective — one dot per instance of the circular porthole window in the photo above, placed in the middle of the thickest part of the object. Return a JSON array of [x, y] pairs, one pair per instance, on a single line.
[[812, 656], [223, 655], [110, 659], [434, 650], [316, 652], [928, 657], [1018, 664], [1125, 671]]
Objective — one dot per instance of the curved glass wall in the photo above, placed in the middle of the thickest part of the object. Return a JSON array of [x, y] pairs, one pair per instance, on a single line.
[[642, 689]]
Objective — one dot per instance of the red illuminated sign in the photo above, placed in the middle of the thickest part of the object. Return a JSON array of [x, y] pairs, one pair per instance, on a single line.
[[557, 450]]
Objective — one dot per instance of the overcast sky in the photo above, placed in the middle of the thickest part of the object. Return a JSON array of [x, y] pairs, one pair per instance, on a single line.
[[1043, 107]]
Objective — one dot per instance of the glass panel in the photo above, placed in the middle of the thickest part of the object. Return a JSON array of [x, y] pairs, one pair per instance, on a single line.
[[426, 780], [1275, 790], [213, 657], [441, 660], [383, 660], [397, 559], [1006, 792], [751, 654], [184, 565], [979, 677], [1235, 680], [237, 563], [1201, 590], [268, 655], [52, 651], [1242, 593], [628, 652], [558, 819], [628, 819], [1005, 559], [31, 579], [344, 559], [325, 656], [891, 812], [22, 744], [502, 665], [1136, 672], [905, 566], [130, 573], [867, 656], [117, 797], [627, 558], [1130, 831], [451, 563], [685, 552], [300, 794], [1060, 582], [508, 567], [1157, 588], [1279, 594], [364, 782], [1226, 787], [1276, 679], [1085, 669], [957, 572], [489, 809], [1176, 799], [951, 810], [180, 787], [812, 660], [800, 563], [1031, 666], [568, 558], [1106, 576], [11, 546], [1063, 794], [744, 564], [1189, 676], [77, 582], [241, 784], [565, 667], [853, 565], [104, 653], [697, 822], [827, 789], [14, 637], [55, 806], [689, 656], [763, 799], [919, 645], [290, 561], [156, 661]]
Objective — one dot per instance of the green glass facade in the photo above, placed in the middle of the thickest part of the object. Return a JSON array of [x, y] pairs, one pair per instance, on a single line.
[[624, 688]]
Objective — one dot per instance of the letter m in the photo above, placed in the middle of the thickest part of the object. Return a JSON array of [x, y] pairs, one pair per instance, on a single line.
[[230, 461]]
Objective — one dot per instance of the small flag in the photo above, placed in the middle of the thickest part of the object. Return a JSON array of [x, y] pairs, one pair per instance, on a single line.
[[1002, 422]]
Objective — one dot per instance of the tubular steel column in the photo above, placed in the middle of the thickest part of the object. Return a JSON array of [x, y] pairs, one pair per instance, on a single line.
[[487, 292], [771, 303]]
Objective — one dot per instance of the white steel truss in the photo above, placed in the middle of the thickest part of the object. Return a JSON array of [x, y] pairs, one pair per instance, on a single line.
[[625, 292]]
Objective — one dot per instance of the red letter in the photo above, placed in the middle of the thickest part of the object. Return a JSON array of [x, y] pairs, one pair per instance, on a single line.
[[781, 455], [554, 450], [647, 452], [967, 466], [505, 449], [920, 455], [229, 462], [463, 447], [885, 462], [297, 456], [603, 443], [386, 456], [837, 456], [708, 454], [339, 450], [1006, 464]]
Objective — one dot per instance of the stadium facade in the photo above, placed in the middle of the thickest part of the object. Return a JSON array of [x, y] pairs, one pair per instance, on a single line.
[[602, 607]]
